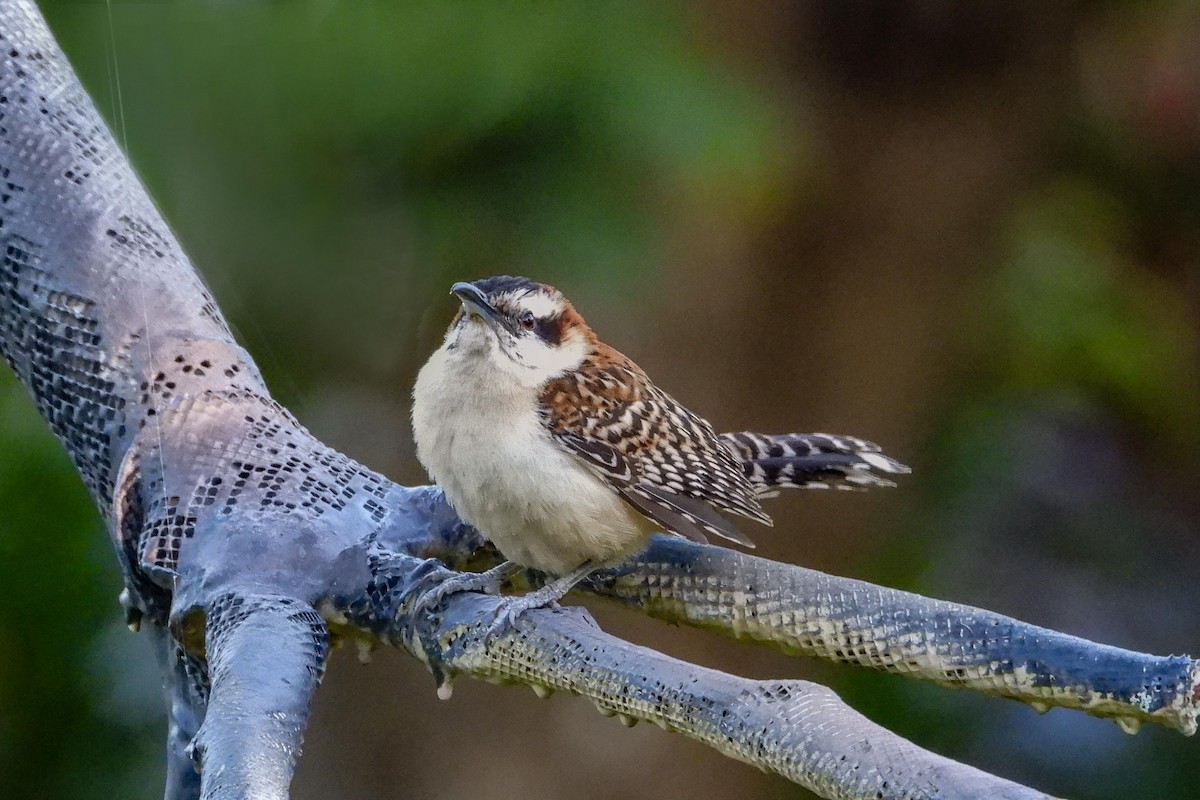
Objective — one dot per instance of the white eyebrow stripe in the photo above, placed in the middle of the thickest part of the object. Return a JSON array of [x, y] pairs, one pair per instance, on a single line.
[[541, 304]]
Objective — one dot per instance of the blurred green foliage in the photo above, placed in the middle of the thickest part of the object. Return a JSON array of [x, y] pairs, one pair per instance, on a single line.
[[1079, 395], [1056, 467], [436, 140], [58, 581], [1073, 312]]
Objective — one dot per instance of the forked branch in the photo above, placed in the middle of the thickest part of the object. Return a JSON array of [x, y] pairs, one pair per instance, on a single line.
[[233, 525]]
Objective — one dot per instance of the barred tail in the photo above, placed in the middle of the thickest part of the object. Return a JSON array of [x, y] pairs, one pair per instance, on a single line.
[[810, 461]]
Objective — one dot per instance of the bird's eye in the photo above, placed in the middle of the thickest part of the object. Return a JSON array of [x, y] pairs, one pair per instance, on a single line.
[[527, 321]]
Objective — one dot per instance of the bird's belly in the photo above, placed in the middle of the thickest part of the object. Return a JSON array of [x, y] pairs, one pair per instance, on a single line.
[[534, 501], [557, 536]]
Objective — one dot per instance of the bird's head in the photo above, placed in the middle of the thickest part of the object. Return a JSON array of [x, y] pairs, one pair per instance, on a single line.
[[523, 327]]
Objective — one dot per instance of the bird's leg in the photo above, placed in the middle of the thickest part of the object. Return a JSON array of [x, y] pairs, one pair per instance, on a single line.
[[489, 581], [547, 595]]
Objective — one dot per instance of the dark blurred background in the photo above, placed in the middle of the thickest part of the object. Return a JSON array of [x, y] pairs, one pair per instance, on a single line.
[[970, 232]]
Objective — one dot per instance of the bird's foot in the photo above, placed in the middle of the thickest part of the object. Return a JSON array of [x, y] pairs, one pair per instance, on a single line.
[[549, 595], [488, 582]]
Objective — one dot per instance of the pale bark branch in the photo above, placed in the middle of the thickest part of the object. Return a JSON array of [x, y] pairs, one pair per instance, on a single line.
[[233, 524]]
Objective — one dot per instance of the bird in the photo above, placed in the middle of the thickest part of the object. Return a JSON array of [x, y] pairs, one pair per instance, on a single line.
[[564, 454]]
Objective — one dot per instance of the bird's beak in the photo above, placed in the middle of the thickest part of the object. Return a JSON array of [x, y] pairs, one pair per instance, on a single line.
[[476, 304]]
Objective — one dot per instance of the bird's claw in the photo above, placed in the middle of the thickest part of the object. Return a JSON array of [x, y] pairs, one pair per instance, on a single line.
[[548, 596], [507, 614], [488, 582], [432, 590]]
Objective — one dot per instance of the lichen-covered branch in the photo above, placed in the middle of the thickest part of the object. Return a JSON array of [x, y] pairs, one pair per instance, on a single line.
[[806, 612], [797, 729], [183, 782], [232, 523], [251, 737]]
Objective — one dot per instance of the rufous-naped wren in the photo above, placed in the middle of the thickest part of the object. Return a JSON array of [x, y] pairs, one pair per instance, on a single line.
[[563, 453]]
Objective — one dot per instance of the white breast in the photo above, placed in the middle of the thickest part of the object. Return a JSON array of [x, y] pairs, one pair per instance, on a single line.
[[479, 436]]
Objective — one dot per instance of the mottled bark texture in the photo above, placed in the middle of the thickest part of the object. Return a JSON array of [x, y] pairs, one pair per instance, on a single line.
[[244, 541]]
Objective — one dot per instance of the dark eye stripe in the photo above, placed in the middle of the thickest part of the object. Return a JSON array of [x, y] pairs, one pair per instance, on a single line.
[[549, 329]]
